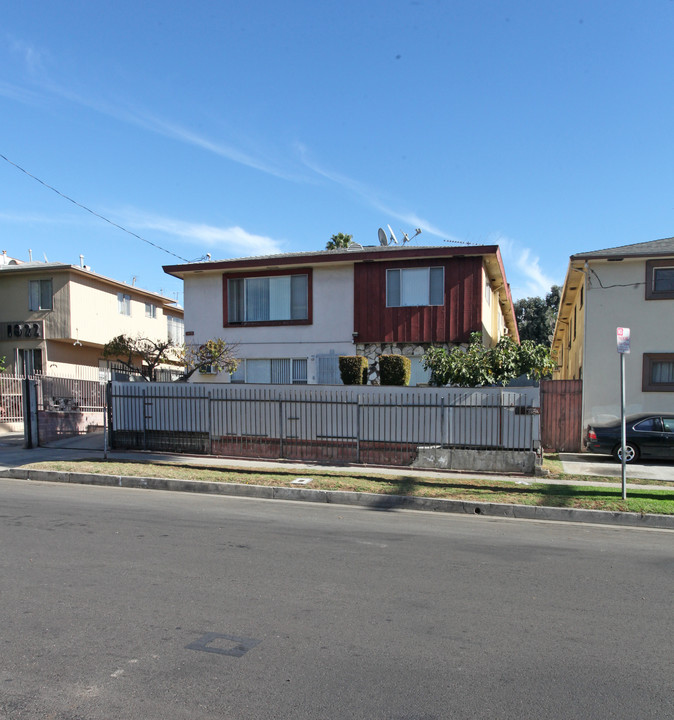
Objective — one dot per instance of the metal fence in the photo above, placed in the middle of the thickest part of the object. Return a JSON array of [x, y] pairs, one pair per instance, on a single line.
[[70, 394], [380, 425], [11, 398]]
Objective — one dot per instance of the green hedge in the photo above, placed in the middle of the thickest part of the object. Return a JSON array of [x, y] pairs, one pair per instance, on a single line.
[[394, 370], [353, 369]]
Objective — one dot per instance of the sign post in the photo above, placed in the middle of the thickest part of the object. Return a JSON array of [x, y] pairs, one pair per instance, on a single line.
[[623, 337]]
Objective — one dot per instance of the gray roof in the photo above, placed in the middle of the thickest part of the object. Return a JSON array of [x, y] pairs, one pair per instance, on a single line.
[[644, 249], [351, 251]]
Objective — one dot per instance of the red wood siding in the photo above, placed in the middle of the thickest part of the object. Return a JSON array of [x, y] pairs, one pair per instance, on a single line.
[[453, 322]]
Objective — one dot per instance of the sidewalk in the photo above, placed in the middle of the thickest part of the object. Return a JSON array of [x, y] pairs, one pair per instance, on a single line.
[[87, 447], [13, 457]]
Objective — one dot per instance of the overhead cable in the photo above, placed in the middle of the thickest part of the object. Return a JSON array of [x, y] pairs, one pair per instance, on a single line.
[[98, 215]]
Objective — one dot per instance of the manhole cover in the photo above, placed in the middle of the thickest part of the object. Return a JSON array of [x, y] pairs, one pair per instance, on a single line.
[[223, 644]]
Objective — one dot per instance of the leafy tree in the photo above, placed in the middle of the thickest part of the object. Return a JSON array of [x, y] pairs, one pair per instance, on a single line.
[[145, 356], [477, 365], [140, 354], [3, 367], [340, 240], [216, 354], [536, 316]]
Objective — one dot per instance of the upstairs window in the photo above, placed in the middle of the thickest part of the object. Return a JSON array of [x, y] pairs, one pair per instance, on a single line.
[[124, 304], [268, 299], [176, 329], [150, 310], [660, 279], [40, 295], [414, 287]]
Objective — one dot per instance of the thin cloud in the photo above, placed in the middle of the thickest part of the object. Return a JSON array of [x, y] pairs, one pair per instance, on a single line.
[[30, 56], [371, 197], [32, 60], [168, 129], [231, 240], [19, 94], [39, 219], [527, 278]]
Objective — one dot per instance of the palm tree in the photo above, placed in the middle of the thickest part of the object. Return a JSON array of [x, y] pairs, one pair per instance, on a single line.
[[339, 241]]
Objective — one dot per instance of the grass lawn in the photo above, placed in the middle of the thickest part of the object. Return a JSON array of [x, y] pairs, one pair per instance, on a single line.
[[525, 491]]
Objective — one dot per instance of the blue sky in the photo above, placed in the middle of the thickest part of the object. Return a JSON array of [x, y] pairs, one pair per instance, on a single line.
[[243, 128]]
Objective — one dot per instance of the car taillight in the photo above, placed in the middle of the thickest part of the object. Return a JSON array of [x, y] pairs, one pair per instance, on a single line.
[[591, 435]]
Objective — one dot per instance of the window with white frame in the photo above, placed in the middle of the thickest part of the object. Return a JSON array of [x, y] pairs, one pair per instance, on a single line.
[[413, 287], [40, 295], [274, 371], [124, 304], [150, 310], [487, 293], [176, 329], [268, 299]]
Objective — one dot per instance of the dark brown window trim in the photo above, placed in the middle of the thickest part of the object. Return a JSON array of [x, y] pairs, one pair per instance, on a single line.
[[646, 384], [650, 266], [269, 273]]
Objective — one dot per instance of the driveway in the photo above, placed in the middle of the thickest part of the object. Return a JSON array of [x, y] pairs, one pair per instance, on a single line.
[[605, 465]]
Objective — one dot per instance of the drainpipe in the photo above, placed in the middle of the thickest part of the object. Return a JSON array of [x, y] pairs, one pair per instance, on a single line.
[[582, 387]]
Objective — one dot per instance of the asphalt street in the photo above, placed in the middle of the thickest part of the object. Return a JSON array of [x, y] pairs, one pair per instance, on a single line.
[[121, 603]]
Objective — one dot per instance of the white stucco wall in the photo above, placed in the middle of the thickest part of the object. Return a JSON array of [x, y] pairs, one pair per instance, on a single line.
[[331, 329], [619, 301]]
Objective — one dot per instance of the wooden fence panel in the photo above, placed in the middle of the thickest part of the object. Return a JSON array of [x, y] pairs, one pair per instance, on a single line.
[[561, 415]]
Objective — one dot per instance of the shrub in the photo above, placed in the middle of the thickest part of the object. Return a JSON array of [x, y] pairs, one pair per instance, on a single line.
[[353, 369], [394, 369]]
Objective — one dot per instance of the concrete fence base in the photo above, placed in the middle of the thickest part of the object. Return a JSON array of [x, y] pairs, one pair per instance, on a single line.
[[509, 461]]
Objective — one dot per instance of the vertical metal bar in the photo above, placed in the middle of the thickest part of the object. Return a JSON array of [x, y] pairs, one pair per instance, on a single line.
[[358, 428], [280, 426], [105, 422], [210, 422], [443, 420], [143, 404]]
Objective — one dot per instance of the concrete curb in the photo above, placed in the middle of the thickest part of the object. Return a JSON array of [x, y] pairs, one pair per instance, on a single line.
[[339, 497]]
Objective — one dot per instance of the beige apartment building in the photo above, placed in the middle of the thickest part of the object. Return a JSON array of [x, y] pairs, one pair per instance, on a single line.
[[631, 286], [55, 316]]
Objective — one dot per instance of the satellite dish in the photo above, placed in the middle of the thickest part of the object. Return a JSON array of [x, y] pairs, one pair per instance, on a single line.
[[383, 240], [394, 239]]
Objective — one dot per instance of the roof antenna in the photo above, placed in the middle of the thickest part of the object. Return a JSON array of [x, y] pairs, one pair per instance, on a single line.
[[407, 239]]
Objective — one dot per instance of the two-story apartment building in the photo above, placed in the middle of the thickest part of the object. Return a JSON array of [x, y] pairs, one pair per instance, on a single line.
[[292, 315], [54, 315], [630, 286]]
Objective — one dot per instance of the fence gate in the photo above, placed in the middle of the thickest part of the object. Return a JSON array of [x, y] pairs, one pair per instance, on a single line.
[[561, 415], [70, 412]]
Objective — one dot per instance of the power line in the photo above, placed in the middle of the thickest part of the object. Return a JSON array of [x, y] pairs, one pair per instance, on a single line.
[[84, 207]]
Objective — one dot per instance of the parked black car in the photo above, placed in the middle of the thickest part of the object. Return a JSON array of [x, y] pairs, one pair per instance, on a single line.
[[648, 435]]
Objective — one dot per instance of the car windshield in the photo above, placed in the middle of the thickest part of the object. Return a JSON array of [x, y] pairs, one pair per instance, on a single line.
[[652, 424]]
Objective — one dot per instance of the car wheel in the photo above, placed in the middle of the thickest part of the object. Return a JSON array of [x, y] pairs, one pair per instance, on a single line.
[[631, 453]]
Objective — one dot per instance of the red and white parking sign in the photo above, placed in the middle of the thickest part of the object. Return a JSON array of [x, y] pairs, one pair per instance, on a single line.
[[623, 340]]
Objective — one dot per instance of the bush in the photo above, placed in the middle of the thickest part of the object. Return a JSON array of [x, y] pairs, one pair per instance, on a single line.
[[394, 370], [353, 369]]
